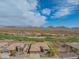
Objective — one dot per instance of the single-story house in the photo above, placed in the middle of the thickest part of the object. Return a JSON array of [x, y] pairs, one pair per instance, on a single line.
[[72, 47]]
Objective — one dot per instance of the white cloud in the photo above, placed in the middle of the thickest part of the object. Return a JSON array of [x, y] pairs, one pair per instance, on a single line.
[[65, 8], [35, 19], [46, 11], [20, 12], [62, 12], [74, 2]]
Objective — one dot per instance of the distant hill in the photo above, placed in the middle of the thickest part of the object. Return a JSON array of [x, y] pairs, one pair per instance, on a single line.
[[49, 29]]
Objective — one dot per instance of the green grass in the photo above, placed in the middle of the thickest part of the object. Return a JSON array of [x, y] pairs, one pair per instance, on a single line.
[[47, 38]]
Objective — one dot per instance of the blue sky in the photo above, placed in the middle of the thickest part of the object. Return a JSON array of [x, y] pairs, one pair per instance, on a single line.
[[39, 13]]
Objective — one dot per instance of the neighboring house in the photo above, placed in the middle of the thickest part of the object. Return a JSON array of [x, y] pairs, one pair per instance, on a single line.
[[36, 48], [72, 47]]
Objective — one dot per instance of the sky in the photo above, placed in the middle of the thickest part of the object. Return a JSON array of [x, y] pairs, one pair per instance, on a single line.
[[39, 13]]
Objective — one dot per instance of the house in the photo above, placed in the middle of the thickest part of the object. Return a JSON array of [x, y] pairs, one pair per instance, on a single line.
[[3, 46], [17, 47], [37, 47], [72, 47], [34, 48]]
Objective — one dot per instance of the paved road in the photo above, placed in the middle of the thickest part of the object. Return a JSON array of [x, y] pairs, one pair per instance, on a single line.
[[70, 58], [40, 58], [33, 56]]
